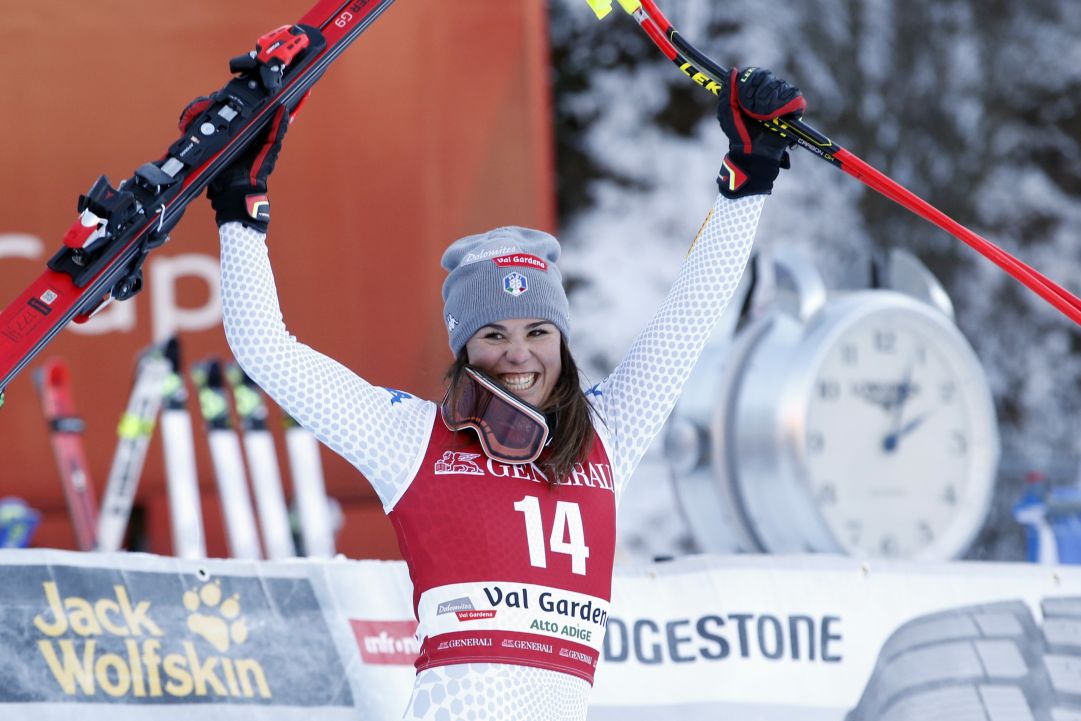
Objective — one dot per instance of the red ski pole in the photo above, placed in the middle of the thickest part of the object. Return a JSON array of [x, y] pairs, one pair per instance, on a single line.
[[712, 76]]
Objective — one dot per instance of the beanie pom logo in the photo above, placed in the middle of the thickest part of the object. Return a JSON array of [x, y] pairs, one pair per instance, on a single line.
[[452, 322], [515, 284]]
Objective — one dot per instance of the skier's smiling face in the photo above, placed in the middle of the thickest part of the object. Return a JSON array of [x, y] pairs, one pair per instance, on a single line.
[[522, 354]]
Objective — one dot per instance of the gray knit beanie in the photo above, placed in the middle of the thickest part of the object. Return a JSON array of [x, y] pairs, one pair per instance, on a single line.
[[502, 274]]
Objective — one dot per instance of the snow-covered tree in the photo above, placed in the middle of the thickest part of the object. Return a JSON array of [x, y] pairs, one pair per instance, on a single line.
[[972, 104]]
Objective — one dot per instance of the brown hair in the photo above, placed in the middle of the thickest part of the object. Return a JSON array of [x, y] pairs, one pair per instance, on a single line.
[[572, 430]]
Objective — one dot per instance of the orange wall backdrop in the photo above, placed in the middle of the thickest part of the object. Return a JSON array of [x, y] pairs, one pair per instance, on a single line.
[[435, 124]]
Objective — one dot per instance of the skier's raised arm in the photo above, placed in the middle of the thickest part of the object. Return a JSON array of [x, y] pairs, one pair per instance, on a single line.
[[380, 432], [637, 397]]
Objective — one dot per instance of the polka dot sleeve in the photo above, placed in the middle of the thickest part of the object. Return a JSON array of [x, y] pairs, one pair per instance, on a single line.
[[637, 397], [382, 432]]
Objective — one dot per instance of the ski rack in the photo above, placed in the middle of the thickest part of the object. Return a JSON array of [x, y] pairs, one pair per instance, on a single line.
[[104, 250]]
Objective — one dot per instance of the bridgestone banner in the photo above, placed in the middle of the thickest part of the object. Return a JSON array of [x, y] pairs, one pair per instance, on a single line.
[[817, 638], [128, 636]]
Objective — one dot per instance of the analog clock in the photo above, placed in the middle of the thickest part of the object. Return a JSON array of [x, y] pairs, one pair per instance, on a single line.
[[858, 423]]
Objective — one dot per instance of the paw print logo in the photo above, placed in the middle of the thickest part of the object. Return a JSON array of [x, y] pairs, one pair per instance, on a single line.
[[221, 624]]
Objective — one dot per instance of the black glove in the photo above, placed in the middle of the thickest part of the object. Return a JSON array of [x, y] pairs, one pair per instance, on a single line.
[[756, 154], [239, 192]]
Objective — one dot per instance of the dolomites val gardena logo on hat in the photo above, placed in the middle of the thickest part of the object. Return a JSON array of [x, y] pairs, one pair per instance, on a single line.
[[515, 284]]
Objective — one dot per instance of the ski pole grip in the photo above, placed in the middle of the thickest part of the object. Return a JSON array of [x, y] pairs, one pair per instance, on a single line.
[[601, 8]]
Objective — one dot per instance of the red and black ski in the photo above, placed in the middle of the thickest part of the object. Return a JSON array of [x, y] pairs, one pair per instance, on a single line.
[[104, 249], [53, 381]]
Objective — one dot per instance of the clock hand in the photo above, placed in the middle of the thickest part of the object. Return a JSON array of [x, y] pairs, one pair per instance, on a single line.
[[903, 392], [913, 424], [892, 440]]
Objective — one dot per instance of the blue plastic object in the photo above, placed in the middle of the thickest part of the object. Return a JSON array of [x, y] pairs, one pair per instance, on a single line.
[[18, 521], [1052, 521]]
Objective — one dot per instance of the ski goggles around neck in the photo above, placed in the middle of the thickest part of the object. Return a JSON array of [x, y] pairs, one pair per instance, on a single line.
[[510, 430]]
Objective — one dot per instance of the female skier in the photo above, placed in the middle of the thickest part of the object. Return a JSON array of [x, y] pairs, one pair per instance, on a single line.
[[503, 496]]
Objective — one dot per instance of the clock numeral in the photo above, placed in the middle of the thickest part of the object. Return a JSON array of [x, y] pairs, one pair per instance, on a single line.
[[924, 532], [888, 546], [816, 442], [921, 354], [950, 495], [850, 355], [829, 390], [958, 443], [826, 495], [885, 341], [855, 531], [947, 392]]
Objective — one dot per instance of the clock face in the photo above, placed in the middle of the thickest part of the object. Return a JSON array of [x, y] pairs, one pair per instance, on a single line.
[[896, 437]]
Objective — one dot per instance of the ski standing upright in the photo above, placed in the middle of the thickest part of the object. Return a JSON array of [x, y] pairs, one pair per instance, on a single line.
[[309, 490], [228, 461], [266, 478], [135, 431], [53, 381], [181, 480]]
